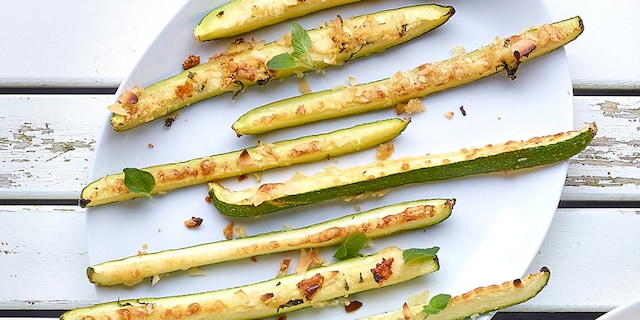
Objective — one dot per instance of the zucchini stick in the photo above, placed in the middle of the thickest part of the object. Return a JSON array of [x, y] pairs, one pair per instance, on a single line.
[[244, 62], [272, 297], [111, 188], [240, 16], [379, 176], [373, 223], [502, 54], [477, 301]]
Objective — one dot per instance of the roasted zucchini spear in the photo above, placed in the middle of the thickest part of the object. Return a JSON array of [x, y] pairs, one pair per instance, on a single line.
[[373, 223], [502, 54], [244, 62], [381, 175], [477, 301], [272, 297], [111, 188], [240, 16]]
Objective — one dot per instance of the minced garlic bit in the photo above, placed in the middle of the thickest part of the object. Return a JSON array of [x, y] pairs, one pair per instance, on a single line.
[[458, 51], [384, 150], [448, 115], [303, 86], [308, 258]]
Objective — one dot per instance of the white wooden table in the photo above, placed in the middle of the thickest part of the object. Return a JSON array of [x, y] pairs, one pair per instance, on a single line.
[[61, 61]]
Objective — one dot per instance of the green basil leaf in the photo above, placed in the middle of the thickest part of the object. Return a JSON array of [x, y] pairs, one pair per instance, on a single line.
[[300, 40], [418, 253], [351, 247], [139, 181], [437, 304], [281, 62]]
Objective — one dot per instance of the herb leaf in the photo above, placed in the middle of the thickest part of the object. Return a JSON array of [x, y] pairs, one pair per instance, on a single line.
[[282, 61], [351, 247], [139, 181], [437, 304], [418, 254], [300, 40], [301, 43]]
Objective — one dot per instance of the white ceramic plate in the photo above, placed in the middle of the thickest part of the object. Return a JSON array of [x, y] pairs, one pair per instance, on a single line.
[[499, 220], [627, 311]]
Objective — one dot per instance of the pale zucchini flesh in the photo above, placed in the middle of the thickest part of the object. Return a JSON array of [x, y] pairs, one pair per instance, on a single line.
[[373, 223], [378, 176], [268, 298], [477, 301], [241, 16], [111, 188], [419, 82], [244, 62]]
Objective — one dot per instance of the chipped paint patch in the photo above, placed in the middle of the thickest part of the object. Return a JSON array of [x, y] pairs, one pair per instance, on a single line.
[[613, 110], [599, 181]]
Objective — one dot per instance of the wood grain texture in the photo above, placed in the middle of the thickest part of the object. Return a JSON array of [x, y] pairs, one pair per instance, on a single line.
[[48, 141], [575, 250], [102, 59]]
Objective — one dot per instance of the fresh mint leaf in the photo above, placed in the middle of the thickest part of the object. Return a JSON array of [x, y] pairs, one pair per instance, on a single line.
[[300, 40], [282, 61], [301, 43], [351, 247], [418, 253], [303, 58], [437, 304], [139, 181]]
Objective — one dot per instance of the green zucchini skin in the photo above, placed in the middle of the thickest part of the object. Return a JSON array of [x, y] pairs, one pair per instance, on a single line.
[[235, 18], [271, 297], [402, 87], [480, 300], [243, 64], [383, 175], [373, 223]]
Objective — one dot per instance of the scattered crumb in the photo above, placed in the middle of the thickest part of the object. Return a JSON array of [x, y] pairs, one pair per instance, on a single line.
[[448, 115], [352, 306], [159, 230], [384, 150], [150, 145], [207, 199], [239, 232], [254, 259], [155, 279], [464, 112], [141, 252], [228, 231], [170, 119], [458, 50], [242, 177], [192, 223], [352, 80], [190, 62], [356, 208], [145, 246], [303, 86], [309, 258], [284, 267]]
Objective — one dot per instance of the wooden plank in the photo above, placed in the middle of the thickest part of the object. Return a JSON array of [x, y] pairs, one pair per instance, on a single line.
[[46, 144], [598, 58], [48, 245], [48, 141], [106, 38], [608, 169]]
